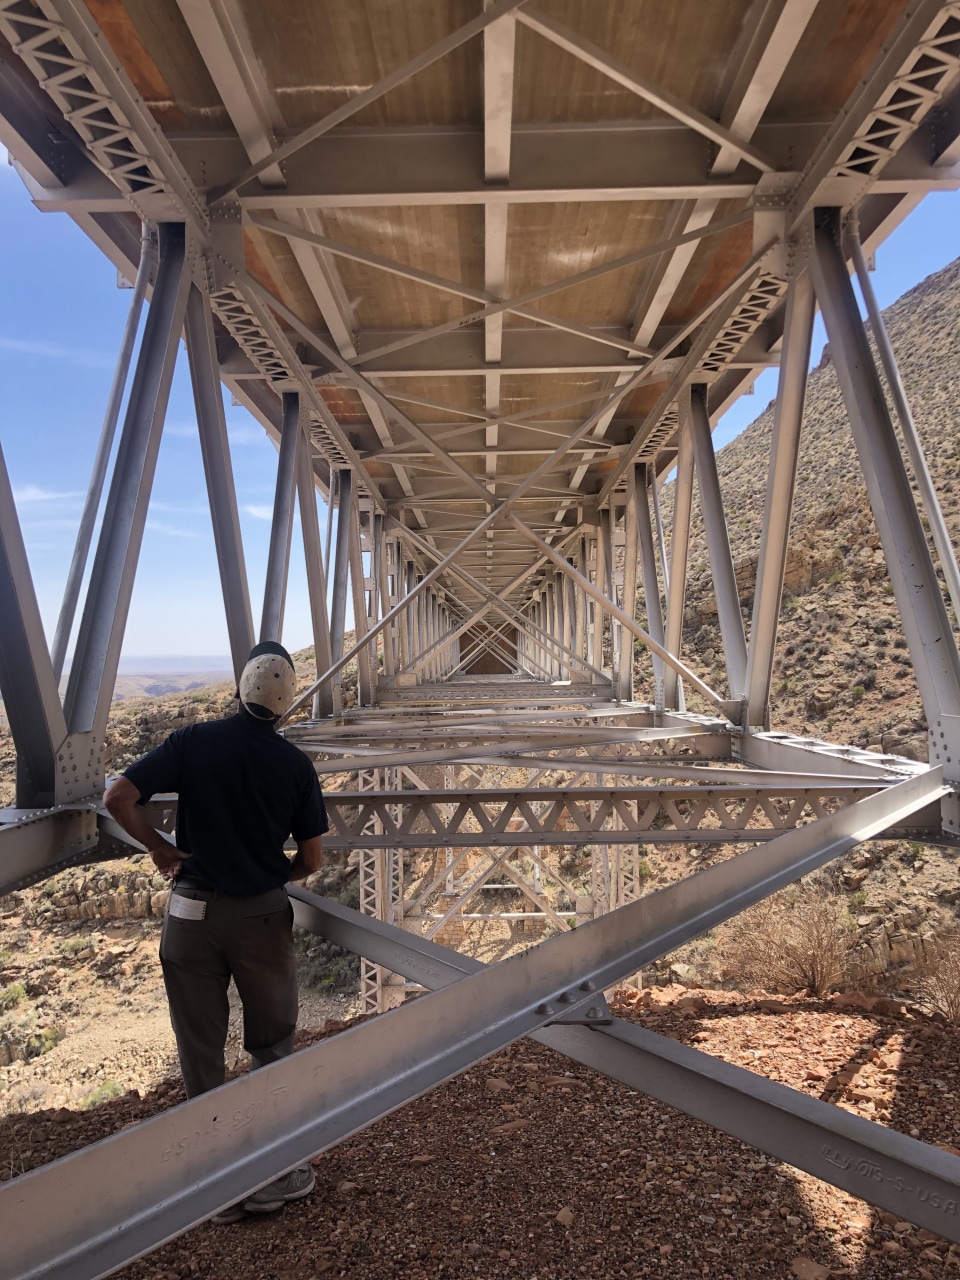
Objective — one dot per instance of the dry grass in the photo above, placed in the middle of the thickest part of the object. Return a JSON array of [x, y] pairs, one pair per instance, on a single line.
[[938, 979], [797, 940]]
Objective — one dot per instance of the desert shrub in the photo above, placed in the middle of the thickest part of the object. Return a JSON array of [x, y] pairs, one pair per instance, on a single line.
[[799, 939], [102, 1093], [10, 996], [938, 978]]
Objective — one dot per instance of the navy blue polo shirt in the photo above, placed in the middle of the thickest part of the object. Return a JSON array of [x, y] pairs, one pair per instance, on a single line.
[[242, 791]]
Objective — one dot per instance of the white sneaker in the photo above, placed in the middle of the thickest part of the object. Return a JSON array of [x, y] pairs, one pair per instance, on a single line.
[[292, 1186]]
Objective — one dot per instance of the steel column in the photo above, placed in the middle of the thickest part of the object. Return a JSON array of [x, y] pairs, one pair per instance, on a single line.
[[912, 576], [651, 587], [609, 587], [316, 578], [27, 680], [781, 478], [97, 652], [630, 574], [679, 549], [111, 416], [328, 536], [341, 565], [405, 624], [718, 545], [341, 580], [383, 585], [281, 528], [364, 687], [931, 504], [596, 635], [221, 491]]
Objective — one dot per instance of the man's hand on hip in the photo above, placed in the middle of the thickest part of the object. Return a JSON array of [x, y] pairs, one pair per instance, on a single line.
[[122, 803]]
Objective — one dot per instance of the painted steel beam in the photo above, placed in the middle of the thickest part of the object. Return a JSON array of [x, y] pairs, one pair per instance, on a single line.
[[316, 577], [35, 844], [221, 491], [908, 430], [142, 1186], [97, 96], [281, 527], [373, 168], [778, 508], [901, 87], [918, 1182], [676, 580], [718, 544], [661, 99], [360, 100], [549, 164], [91, 505], [922, 610], [97, 653], [220, 33], [492, 296], [488, 818], [27, 681], [788, 752]]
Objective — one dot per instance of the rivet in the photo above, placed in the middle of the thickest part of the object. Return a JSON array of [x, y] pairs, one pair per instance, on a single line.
[[587, 986]]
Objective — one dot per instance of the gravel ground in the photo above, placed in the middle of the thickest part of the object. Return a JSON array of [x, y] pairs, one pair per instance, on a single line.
[[530, 1166]]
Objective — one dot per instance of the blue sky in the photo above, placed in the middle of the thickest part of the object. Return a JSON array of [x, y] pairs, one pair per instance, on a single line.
[[61, 321]]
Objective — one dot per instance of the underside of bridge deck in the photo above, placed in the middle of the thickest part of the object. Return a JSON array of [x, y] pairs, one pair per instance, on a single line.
[[487, 272]]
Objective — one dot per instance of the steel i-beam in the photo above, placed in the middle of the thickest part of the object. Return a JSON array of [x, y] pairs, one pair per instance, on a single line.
[[88, 517], [281, 527], [142, 1186], [221, 491], [912, 576], [781, 479], [97, 654]]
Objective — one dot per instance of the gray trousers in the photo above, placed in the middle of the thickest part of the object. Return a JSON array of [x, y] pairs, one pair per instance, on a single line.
[[247, 939]]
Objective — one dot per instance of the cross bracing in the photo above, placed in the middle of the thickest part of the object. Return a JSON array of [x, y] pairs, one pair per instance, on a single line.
[[486, 305]]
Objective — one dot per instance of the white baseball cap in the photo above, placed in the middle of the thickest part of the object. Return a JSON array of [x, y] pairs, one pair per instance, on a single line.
[[268, 683]]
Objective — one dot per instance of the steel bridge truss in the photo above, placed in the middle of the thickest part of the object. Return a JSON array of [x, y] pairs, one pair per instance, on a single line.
[[490, 712]]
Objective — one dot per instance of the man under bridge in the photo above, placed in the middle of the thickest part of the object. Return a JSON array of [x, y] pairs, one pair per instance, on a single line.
[[243, 790]]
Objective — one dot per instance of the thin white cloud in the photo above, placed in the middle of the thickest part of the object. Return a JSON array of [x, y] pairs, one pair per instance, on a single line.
[[33, 493], [246, 435], [81, 356], [30, 526], [240, 437], [169, 530], [259, 512], [176, 508]]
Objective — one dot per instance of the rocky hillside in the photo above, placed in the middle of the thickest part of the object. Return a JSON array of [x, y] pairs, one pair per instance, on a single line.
[[843, 671]]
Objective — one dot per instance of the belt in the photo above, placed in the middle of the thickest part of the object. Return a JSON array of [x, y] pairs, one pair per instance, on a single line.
[[191, 882]]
